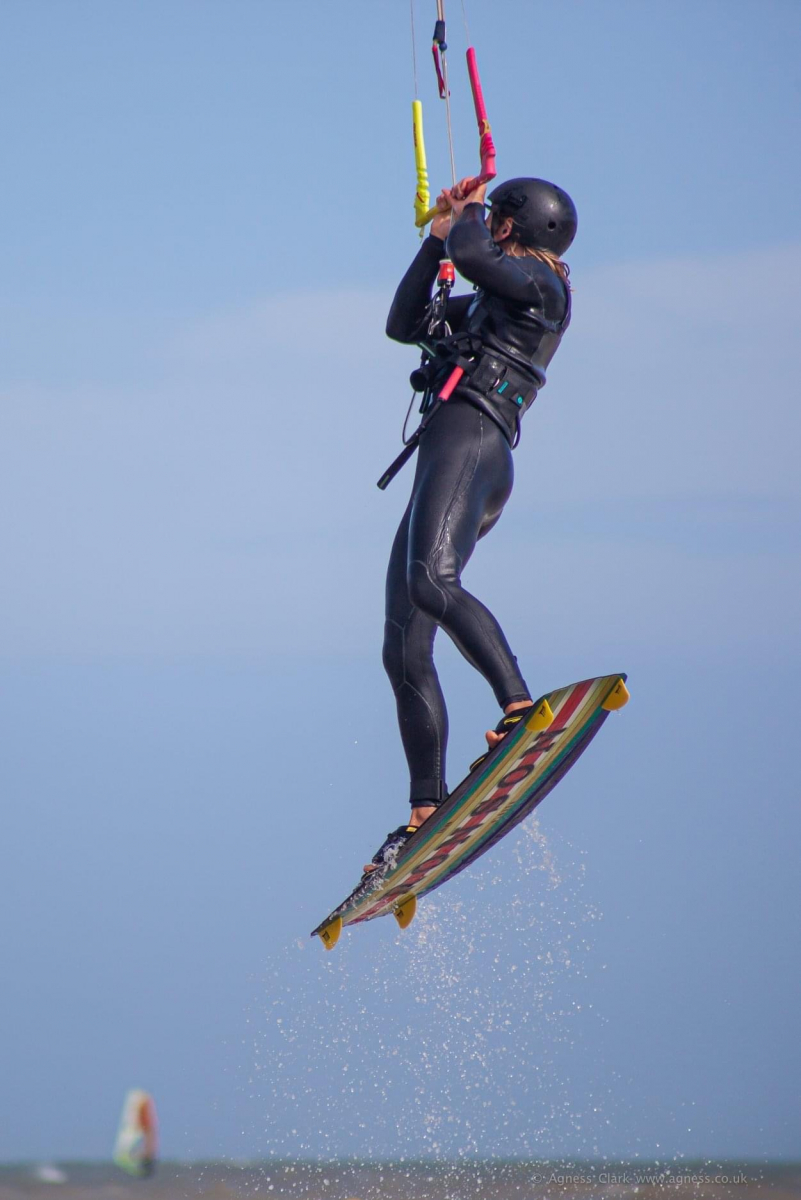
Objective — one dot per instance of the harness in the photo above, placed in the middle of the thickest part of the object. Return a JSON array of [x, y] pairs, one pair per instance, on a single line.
[[481, 370], [468, 360]]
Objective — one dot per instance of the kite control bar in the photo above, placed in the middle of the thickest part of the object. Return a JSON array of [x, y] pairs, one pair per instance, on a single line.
[[433, 400], [486, 144]]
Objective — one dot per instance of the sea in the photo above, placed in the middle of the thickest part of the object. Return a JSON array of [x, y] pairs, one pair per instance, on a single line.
[[344, 1180], [442, 1048]]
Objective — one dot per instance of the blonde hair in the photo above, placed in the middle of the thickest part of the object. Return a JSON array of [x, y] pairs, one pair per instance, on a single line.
[[518, 250]]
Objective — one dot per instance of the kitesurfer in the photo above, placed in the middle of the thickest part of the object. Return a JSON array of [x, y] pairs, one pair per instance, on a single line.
[[504, 335]]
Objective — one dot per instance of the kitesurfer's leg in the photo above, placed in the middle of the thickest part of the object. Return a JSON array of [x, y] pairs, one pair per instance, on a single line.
[[422, 716], [409, 662], [464, 478]]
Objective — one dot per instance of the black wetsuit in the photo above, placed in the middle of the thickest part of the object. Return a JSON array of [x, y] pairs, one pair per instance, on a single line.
[[463, 479]]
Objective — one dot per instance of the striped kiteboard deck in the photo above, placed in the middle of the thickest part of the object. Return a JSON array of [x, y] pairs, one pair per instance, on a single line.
[[502, 790]]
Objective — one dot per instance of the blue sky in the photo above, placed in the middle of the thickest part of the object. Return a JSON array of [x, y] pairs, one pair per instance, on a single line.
[[206, 212]]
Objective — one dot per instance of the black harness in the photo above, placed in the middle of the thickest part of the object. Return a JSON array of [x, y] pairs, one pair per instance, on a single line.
[[490, 380]]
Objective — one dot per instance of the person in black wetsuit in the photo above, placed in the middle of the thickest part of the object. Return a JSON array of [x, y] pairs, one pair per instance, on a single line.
[[505, 335]]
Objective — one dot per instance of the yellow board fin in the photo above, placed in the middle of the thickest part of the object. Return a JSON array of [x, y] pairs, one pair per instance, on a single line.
[[540, 718], [404, 911], [618, 696], [329, 935]]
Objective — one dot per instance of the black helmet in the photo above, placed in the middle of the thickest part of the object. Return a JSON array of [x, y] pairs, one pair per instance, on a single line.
[[542, 214]]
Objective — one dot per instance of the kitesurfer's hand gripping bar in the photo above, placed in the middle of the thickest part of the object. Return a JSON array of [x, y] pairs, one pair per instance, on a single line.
[[486, 144]]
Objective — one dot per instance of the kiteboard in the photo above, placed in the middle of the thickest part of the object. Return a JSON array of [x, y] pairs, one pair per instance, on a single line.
[[501, 790]]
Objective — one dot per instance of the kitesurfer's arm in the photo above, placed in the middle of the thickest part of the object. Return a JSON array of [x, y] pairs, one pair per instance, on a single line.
[[407, 315], [481, 260]]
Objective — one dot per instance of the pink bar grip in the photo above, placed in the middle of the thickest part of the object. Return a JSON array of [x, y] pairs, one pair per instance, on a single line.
[[486, 145], [450, 383], [475, 84]]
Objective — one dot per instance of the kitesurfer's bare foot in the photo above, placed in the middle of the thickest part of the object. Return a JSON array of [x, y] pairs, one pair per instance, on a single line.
[[492, 735], [420, 814]]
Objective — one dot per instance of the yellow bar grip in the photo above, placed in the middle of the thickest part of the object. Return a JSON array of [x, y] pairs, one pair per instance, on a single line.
[[425, 217], [423, 194]]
